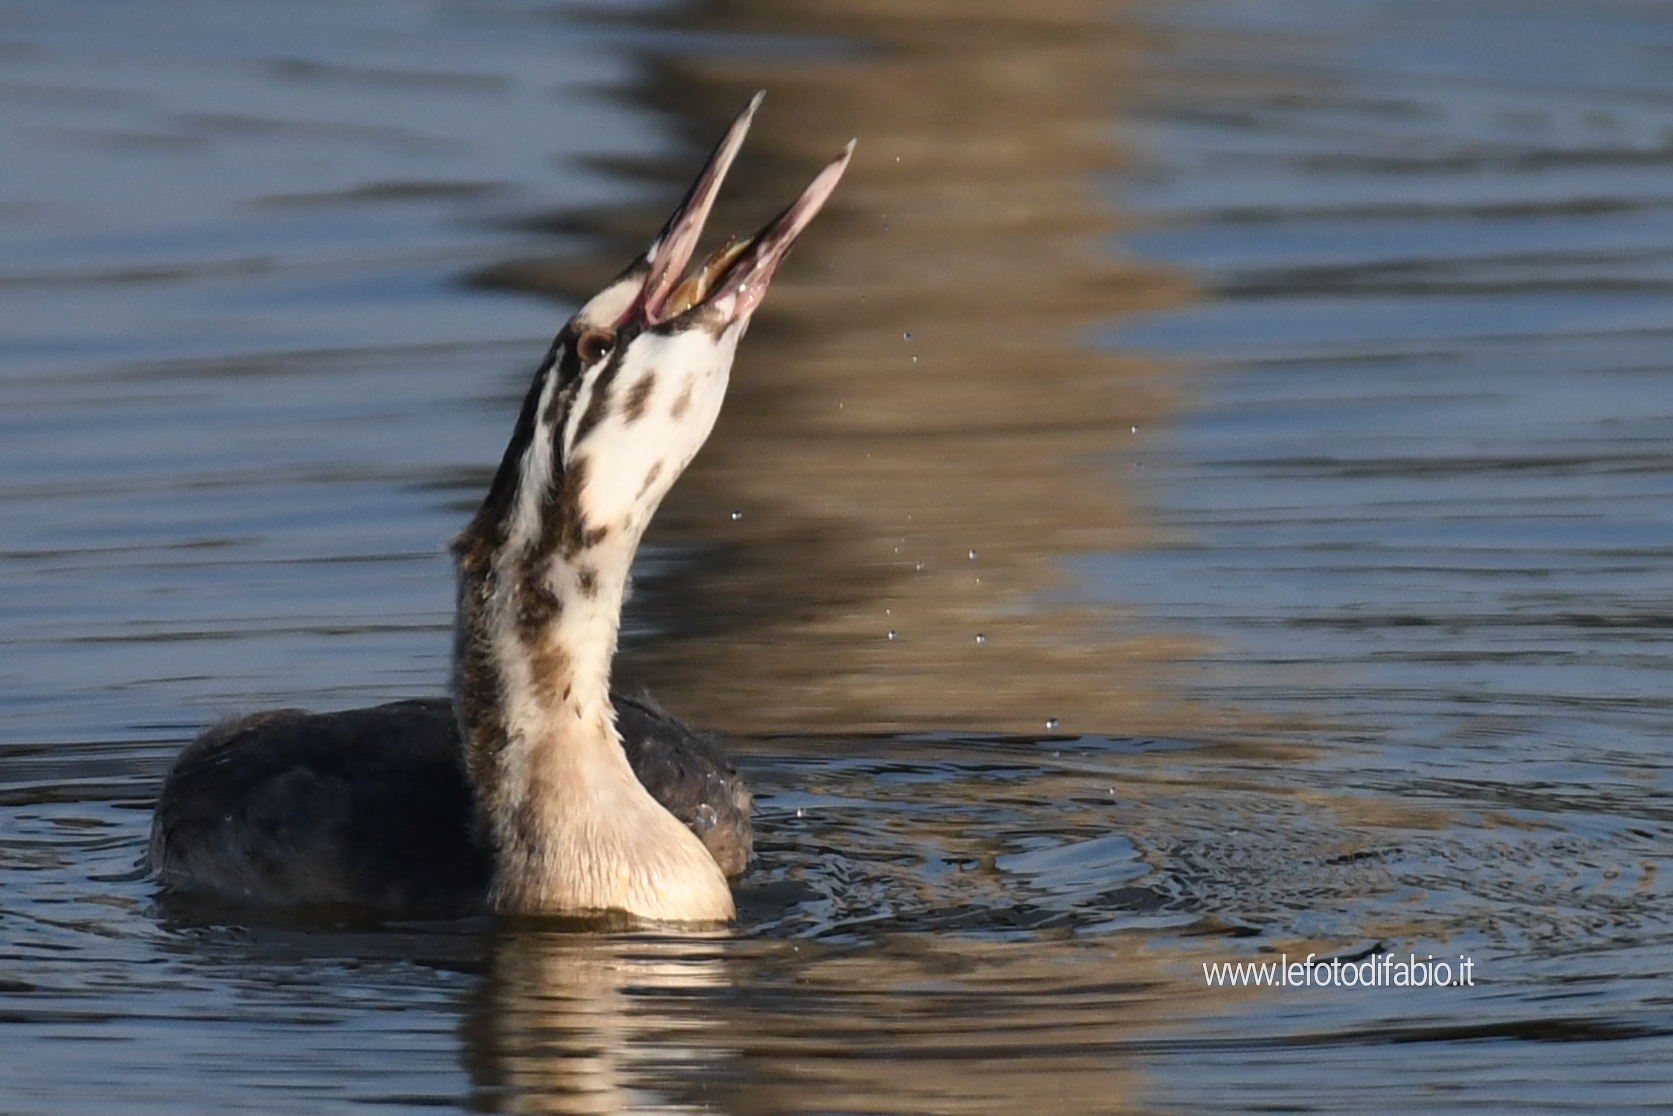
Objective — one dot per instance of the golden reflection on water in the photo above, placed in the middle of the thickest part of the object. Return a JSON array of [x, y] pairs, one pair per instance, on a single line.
[[589, 1025], [917, 435], [585, 1024]]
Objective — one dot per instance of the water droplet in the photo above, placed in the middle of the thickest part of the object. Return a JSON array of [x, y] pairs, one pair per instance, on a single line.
[[737, 515], [914, 360], [980, 638], [1051, 724], [919, 566], [891, 633], [801, 813], [972, 555], [906, 337], [888, 612], [1135, 430]]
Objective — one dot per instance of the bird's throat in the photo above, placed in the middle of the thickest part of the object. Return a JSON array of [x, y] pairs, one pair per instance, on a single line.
[[573, 829]]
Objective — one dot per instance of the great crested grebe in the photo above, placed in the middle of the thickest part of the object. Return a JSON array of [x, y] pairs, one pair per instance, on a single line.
[[531, 791]]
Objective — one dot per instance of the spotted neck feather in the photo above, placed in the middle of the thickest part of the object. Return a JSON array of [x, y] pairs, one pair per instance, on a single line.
[[541, 578]]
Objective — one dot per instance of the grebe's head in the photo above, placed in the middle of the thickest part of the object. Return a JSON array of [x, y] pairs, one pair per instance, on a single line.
[[633, 382]]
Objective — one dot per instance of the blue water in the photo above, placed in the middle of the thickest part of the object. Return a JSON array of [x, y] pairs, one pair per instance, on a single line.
[[1421, 497]]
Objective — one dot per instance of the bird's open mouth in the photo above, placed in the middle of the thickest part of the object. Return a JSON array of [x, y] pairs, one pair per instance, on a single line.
[[699, 283], [732, 281]]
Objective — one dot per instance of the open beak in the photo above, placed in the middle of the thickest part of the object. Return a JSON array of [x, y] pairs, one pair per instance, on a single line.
[[734, 279]]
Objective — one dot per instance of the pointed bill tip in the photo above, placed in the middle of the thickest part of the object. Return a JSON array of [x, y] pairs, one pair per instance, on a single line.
[[740, 123], [819, 190], [825, 181]]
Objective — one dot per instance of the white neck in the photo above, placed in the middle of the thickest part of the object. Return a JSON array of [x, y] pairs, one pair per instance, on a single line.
[[573, 829]]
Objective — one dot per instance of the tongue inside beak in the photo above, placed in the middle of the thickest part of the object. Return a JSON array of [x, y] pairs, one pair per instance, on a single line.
[[734, 278], [693, 290]]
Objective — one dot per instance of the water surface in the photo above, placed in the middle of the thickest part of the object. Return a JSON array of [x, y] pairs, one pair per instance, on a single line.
[[1276, 390]]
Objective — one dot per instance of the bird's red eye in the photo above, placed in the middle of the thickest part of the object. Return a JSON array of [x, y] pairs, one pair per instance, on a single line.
[[594, 345]]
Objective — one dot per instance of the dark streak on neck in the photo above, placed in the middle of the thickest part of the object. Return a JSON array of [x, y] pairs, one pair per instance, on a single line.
[[598, 404], [638, 396], [478, 686], [487, 530]]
